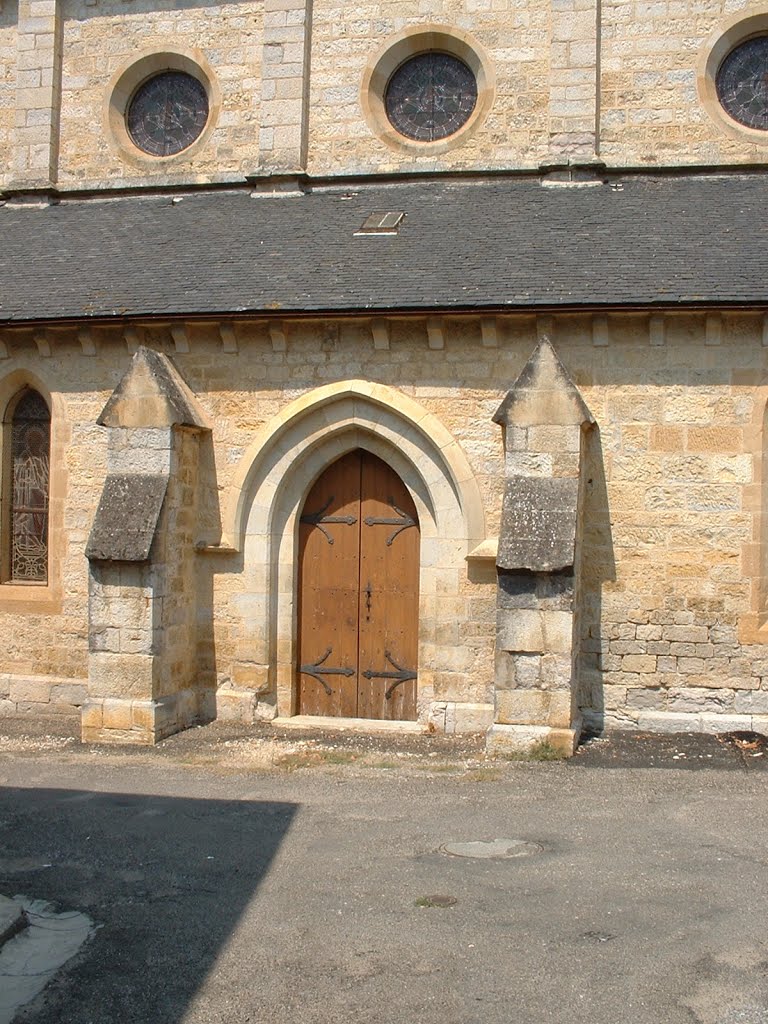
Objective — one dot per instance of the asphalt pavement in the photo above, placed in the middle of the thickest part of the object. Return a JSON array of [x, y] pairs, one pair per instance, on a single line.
[[238, 877]]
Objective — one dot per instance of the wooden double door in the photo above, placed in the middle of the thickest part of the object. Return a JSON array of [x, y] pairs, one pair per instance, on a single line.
[[358, 608]]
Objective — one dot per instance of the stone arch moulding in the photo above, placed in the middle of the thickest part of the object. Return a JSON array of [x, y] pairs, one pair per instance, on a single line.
[[261, 520]]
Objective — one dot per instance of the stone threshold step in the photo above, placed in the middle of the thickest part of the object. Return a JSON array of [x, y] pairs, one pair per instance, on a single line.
[[359, 725]]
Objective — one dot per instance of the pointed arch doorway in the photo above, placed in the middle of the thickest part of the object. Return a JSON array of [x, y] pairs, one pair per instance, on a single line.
[[358, 593]]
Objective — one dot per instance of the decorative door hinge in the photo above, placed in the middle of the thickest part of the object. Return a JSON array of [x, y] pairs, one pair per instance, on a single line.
[[319, 517], [402, 523], [314, 671], [403, 675]]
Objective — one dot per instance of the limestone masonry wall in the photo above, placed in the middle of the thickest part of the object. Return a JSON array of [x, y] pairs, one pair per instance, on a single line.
[[8, 20], [674, 595], [650, 109], [513, 35], [629, 85], [100, 41]]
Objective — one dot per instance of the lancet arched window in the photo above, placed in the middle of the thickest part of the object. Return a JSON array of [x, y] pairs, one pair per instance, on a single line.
[[27, 431]]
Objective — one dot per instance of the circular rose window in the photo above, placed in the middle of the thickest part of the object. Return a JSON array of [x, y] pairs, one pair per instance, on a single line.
[[742, 83], [167, 113], [430, 96]]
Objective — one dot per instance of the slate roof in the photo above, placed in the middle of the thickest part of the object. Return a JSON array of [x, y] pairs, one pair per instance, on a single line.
[[500, 243]]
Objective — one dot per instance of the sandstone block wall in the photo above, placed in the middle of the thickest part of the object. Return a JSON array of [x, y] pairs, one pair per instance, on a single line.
[[567, 82], [100, 40], [8, 59], [651, 112], [674, 597], [515, 37]]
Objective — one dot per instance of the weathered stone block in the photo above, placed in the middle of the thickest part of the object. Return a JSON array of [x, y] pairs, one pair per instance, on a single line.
[[714, 723], [518, 670], [70, 693], [638, 663], [511, 740], [143, 716], [468, 718], [540, 591], [539, 631], [668, 722], [538, 524], [533, 707], [91, 715], [30, 689], [686, 634], [750, 702], [117, 714], [233, 705], [123, 675], [556, 671]]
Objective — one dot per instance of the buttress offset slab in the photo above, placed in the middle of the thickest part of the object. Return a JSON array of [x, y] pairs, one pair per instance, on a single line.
[[126, 519]]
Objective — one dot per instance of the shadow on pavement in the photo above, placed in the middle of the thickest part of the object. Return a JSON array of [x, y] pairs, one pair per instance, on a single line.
[[164, 879]]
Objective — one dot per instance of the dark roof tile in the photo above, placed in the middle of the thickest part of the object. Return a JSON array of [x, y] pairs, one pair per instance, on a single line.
[[493, 244]]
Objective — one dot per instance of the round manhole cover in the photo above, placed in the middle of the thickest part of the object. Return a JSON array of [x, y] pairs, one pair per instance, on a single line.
[[494, 849]]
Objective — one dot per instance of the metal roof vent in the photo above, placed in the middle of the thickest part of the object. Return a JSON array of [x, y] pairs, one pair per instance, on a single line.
[[382, 223]]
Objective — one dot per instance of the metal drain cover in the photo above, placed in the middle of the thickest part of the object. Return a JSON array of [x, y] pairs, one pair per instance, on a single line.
[[495, 849]]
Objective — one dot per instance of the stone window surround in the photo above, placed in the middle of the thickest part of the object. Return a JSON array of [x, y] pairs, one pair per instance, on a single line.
[[278, 470], [127, 79], [409, 43], [35, 597], [729, 33]]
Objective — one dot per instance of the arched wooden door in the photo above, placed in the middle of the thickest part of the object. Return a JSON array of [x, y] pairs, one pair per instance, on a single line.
[[358, 593]]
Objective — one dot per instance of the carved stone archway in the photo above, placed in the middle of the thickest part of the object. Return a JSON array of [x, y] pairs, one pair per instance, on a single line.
[[261, 520]]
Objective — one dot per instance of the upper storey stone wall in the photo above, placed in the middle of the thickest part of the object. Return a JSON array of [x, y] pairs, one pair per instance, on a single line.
[[294, 86], [8, 18], [511, 40], [101, 41], [657, 104]]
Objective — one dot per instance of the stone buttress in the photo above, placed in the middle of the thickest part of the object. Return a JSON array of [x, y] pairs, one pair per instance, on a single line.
[[545, 422], [142, 667]]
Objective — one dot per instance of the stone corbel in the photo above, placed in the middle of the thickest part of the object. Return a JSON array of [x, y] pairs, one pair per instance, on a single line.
[[43, 344], [600, 335], [228, 337], [489, 331], [277, 336], [87, 341], [657, 330], [134, 337], [436, 332], [180, 336], [714, 329], [380, 332]]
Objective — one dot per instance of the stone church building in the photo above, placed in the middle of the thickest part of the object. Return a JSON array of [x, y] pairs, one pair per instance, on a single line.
[[397, 362]]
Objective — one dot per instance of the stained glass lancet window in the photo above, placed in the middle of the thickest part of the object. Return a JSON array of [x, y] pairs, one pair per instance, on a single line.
[[29, 484]]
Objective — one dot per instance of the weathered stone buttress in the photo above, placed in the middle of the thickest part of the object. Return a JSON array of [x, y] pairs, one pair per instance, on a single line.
[[544, 420], [143, 678]]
